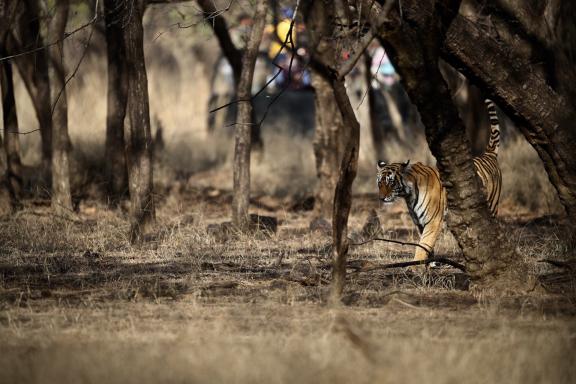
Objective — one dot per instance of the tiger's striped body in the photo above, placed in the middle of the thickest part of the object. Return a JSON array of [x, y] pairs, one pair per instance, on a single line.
[[421, 188]]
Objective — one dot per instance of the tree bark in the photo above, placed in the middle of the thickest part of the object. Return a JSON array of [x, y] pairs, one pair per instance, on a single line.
[[329, 144], [244, 122], [139, 151], [319, 17], [33, 69], [343, 193], [11, 143], [115, 156], [412, 39], [61, 194], [330, 136]]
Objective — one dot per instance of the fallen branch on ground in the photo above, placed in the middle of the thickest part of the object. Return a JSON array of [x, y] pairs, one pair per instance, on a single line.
[[366, 266], [404, 264]]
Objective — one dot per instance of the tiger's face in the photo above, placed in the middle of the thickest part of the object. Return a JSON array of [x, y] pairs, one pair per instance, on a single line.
[[390, 181]]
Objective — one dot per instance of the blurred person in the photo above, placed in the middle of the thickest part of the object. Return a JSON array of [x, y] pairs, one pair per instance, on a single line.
[[382, 69], [282, 29], [292, 76]]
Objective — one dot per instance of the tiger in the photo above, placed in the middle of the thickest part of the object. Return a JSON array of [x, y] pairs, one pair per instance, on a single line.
[[421, 188]]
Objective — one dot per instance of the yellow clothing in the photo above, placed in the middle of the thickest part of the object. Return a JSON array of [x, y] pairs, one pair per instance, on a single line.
[[282, 33]]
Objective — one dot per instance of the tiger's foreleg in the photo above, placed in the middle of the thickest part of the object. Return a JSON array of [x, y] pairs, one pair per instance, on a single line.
[[428, 238]]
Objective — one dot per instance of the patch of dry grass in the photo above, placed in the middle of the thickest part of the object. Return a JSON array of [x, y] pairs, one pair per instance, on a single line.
[[281, 344], [78, 303]]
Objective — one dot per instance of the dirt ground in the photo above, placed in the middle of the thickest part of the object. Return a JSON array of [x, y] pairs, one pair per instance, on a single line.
[[78, 304]]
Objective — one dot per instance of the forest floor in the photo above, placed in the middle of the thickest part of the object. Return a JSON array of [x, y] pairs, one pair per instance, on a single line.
[[79, 304]]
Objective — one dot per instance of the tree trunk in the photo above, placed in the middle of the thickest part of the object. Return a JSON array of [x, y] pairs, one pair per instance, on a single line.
[[11, 143], [235, 57], [414, 45], [6, 207], [139, 152], [329, 144], [343, 193], [330, 136], [319, 17], [508, 75], [115, 157], [244, 122], [12, 180], [34, 70], [61, 195]]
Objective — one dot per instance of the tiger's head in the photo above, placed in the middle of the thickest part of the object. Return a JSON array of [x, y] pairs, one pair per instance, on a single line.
[[391, 181]]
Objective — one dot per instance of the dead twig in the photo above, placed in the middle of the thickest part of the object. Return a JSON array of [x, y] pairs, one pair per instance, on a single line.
[[392, 241]]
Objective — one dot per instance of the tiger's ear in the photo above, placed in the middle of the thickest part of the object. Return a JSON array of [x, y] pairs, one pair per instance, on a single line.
[[380, 164], [405, 165]]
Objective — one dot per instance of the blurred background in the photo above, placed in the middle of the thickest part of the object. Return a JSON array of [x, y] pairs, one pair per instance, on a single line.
[[188, 76]]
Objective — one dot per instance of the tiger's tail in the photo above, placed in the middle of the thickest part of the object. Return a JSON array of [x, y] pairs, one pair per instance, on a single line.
[[494, 142]]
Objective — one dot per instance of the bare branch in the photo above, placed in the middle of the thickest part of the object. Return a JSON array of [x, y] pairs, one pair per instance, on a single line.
[[66, 35], [218, 23]]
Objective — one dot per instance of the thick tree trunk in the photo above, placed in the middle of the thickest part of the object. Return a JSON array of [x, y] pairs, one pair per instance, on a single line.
[[507, 74], [116, 171], [11, 143], [329, 143], [139, 152], [413, 44], [235, 58], [61, 194], [244, 122], [33, 69]]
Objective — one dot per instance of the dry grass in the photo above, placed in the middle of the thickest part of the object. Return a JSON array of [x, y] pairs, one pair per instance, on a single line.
[[79, 304], [284, 344]]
